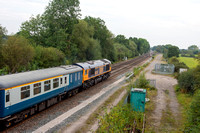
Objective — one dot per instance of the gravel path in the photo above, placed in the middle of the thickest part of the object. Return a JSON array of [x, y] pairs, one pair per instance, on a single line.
[[164, 84]]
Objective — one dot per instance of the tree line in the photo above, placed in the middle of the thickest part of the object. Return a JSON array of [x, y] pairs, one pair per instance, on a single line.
[[59, 36]]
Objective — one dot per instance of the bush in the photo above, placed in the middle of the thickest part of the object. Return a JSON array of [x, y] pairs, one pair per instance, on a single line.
[[142, 82], [48, 57], [121, 119], [17, 53], [186, 81], [177, 64]]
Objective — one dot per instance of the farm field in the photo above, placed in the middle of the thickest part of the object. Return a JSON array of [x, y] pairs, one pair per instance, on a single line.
[[190, 62]]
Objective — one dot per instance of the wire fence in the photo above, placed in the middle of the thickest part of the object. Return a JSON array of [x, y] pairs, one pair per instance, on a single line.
[[164, 68]]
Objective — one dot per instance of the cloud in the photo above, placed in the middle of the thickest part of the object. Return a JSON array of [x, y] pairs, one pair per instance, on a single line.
[[14, 12], [159, 21]]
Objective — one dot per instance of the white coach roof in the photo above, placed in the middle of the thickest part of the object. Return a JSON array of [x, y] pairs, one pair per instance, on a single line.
[[8, 81]]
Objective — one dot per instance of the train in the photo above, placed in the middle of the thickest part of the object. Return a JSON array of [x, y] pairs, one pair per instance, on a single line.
[[24, 94]]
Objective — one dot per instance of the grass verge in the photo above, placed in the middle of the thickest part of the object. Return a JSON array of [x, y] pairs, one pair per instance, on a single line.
[[149, 108], [101, 109], [184, 100]]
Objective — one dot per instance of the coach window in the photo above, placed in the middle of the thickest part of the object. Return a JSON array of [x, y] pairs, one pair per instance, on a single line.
[[75, 76], [61, 81], [37, 88], [65, 80], [79, 76], [85, 72], [7, 97], [25, 92], [47, 85], [71, 78], [55, 83]]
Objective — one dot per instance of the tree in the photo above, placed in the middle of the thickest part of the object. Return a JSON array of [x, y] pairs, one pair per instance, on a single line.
[[60, 17], [104, 36], [82, 38], [54, 27], [122, 51], [193, 47], [34, 30], [173, 51], [3, 33], [94, 50], [142, 44], [128, 43], [17, 53], [122, 40], [62, 14]]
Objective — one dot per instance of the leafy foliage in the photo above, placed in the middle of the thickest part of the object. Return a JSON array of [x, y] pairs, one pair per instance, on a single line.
[[186, 81], [82, 37], [104, 36], [121, 119], [128, 44], [173, 51], [48, 57], [142, 44], [122, 51], [142, 82], [17, 53], [168, 50], [3, 33], [177, 64], [193, 124], [60, 32]]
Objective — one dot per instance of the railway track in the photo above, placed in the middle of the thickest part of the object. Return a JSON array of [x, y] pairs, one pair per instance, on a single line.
[[34, 122]]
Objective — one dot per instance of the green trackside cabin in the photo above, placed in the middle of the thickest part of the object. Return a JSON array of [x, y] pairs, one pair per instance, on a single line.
[[137, 99]]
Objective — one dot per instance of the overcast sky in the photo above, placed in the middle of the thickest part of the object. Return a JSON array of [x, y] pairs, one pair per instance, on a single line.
[[175, 22]]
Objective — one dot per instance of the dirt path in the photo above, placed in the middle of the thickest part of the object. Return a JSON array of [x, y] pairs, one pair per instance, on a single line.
[[166, 115]]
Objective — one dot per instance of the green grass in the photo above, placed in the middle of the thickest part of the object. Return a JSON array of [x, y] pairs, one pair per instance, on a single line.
[[184, 100], [190, 62]]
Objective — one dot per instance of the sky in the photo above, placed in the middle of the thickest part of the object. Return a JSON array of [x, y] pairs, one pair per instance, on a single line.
[[161, 22]]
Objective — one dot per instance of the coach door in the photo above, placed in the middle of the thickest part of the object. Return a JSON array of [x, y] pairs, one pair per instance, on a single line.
[[7, 98], [64, 81]]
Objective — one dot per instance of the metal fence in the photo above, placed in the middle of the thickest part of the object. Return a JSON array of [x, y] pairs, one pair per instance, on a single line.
[[164, 68]]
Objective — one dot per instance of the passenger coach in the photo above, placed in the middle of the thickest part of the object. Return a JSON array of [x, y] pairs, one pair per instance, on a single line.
[[33, 91]]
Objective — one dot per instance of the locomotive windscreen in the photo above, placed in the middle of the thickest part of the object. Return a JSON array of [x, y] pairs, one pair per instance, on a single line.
[[107, 67]]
